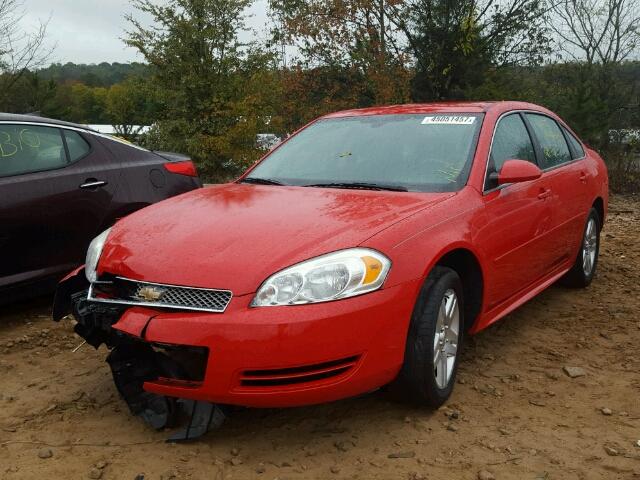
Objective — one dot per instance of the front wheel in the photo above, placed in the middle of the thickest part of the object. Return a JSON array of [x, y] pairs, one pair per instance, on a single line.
[[434, 341], [584, 267]]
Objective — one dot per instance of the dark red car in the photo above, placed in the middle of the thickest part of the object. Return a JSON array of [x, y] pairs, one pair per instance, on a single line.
[[60, 185], [358, 253]]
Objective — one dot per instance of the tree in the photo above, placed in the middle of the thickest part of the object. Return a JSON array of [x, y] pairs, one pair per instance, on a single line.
[[130, 103], [201, 74], [20, 51], [445, 45], [30, 94], [454, 43], [88, 104], [349, 36], [597, 36], [102, 75], [597, 31]]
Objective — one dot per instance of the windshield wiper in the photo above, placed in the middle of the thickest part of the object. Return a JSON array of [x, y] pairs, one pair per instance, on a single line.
[[261, 181], [361, 185]]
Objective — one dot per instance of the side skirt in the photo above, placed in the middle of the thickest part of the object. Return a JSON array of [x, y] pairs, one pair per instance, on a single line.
[[517, 300]]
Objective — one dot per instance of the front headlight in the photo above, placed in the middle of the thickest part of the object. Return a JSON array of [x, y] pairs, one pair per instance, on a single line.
[[93, 255], [336, 275]]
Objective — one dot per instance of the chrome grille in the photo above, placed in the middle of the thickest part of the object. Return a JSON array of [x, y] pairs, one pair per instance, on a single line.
[[131, 292]]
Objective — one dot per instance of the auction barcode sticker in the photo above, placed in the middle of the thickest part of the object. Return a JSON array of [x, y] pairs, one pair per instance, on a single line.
[[448, 120]]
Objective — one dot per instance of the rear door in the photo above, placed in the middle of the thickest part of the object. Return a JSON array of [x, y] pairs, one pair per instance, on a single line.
[[56, 186], [518, 217], [567, 179]]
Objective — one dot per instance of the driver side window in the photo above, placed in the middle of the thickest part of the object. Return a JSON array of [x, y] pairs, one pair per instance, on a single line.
[[511, 140]]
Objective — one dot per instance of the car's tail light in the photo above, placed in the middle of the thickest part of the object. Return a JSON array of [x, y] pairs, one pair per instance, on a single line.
[[182, 168]]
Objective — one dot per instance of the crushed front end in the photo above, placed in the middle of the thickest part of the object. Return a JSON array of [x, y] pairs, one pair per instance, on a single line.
[[178, 351], [134, 361]]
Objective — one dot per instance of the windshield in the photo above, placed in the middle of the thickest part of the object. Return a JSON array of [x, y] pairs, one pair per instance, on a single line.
[[426, 153]]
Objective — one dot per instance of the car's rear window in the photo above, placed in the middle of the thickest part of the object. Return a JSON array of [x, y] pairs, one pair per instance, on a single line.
[[576, 147], [555, 150], [427, 152], [76, 145]]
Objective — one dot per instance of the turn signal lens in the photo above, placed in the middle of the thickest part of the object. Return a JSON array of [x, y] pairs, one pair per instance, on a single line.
[[373, 270], [330, 277]]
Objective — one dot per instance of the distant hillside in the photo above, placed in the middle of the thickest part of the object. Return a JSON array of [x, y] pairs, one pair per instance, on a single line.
[[94, 75]]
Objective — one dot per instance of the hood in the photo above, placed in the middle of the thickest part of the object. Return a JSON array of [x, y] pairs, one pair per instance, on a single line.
[[234, 236]]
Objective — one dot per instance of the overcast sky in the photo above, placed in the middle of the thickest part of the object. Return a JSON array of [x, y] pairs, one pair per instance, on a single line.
[[89, 31]]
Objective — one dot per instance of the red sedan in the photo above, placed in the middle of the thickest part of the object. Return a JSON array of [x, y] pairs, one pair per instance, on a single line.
[[358, 253]]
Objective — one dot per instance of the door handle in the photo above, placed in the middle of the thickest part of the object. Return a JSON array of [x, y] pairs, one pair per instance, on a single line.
[[93, 183], [544, 194], [583, 177]]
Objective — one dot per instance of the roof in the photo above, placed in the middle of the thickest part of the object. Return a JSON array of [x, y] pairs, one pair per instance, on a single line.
[[444, 107], [14, 117]]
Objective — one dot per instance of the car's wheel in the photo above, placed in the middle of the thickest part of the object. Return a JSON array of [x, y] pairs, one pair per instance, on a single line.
[[584, 268], [434, 341]]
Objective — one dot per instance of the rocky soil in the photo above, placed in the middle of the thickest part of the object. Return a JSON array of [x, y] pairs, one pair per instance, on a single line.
[[550, 392]]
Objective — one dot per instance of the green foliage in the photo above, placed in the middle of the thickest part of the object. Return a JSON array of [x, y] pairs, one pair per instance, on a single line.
[[101, 75], [58, 92], [592, 99], [347, 39], [456, 43], [211, 88], [132, 102], [29, 94]]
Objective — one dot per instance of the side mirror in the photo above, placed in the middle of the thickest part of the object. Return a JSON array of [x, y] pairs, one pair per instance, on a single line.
[[516, 171]]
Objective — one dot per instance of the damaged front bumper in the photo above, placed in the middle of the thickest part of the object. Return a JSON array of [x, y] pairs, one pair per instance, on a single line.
[[246, 356], [134, 362]]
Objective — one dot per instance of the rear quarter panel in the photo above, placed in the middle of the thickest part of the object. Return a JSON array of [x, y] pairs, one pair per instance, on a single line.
[[144, 179], [597, 188], [600, 185]]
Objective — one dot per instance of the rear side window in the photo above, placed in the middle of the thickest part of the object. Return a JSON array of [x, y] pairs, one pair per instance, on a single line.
[[510, 141], [30, 148], [576, 148], [77, 146], [555, 150]]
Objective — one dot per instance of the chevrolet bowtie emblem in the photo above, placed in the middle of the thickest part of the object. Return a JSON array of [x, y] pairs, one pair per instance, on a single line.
[[150, 294]]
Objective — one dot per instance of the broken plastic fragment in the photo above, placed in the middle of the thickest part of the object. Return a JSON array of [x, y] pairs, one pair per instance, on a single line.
[[204, 416]]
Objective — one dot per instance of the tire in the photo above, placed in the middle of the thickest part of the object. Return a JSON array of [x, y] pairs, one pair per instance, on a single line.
[[422, 379], [584, 267]]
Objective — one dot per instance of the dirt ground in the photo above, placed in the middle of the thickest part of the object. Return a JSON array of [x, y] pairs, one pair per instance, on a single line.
[[515, 413]]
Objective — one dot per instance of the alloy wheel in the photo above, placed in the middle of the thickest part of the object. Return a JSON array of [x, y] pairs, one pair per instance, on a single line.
[[589, 247], [445, 341]]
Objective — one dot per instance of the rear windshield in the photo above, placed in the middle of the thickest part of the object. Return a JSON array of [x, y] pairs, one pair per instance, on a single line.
[[426, 153]]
